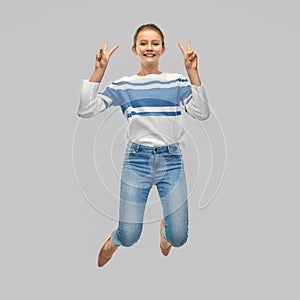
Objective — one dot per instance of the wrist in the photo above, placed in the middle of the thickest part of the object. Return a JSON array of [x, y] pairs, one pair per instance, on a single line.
[[99, 69], [192, 70], [194, 77]]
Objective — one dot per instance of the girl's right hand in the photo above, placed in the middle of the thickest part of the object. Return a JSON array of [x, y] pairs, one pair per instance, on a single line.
[[102, 56]]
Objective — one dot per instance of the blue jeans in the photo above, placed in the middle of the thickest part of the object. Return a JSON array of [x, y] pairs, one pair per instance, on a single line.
[[144, 167]]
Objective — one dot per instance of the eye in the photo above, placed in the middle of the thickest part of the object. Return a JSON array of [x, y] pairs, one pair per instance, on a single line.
[[156, 44], [142, 43]]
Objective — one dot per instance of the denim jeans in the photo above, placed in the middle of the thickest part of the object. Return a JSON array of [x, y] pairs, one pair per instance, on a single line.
[[143, 167]]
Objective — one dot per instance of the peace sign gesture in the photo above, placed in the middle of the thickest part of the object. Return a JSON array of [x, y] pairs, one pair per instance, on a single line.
[[190, 57], [102, 56]]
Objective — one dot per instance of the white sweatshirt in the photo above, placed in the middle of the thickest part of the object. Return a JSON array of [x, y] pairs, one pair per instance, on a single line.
[[152, 105]]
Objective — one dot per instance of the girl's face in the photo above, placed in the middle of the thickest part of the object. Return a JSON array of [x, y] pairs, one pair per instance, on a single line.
[[148, 47]]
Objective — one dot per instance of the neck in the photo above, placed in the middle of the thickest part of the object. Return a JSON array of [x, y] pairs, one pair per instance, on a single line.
[[146, 71]]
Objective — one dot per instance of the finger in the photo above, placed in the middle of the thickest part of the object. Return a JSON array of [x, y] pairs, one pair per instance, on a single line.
[[98, 56], [189, 45], [192, 55], [182, 48], [113, 49], [105, 45]]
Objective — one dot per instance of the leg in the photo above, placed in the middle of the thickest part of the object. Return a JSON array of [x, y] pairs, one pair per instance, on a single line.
[[173, 194], [131, 214], [135, 187]]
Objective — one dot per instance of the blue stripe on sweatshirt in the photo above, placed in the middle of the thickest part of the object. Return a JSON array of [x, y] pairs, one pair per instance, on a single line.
[[119, 83], [148, 102], [154, 113]]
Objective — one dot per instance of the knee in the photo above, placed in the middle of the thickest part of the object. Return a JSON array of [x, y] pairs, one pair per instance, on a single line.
[[128, 241], [178, 242], [130, 236], [176, 238]]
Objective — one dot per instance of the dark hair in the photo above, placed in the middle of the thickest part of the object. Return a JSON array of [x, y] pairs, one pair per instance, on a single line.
[[149, 26]]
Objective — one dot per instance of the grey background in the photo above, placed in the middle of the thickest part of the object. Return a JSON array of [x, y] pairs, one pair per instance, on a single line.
[[244, 245]]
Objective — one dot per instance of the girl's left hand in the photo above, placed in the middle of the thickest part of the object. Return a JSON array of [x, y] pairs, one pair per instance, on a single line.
[[190, 57]]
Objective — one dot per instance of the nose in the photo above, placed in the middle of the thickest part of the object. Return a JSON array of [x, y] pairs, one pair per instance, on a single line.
[[149, 46]]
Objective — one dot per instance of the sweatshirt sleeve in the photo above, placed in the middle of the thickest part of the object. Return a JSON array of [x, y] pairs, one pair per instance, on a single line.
[[197, 105], [92, 101], [193, 99]]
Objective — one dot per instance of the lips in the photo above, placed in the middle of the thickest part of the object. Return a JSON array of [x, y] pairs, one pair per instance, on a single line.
[[149, 54]]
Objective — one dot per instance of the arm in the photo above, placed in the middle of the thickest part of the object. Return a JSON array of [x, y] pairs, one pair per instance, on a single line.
[[91, 102], [191, 64], [197, 106]]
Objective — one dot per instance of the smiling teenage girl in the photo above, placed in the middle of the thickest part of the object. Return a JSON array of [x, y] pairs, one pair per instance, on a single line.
[[152, 102]]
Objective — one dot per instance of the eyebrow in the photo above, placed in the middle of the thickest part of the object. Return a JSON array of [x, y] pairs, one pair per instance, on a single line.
[[144, 40]]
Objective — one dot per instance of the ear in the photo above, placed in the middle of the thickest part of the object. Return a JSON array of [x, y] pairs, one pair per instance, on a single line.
[[133, 49], [163, 50]]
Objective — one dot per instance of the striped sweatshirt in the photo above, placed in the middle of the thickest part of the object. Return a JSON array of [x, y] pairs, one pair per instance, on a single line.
[[152, 105]]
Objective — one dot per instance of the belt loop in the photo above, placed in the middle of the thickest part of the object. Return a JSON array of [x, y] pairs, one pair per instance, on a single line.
[[174, 148], [169, 147], [136, 147], [132, 147]]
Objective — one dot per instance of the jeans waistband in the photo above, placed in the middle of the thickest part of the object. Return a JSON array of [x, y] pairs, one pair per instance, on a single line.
[[134, 147]]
